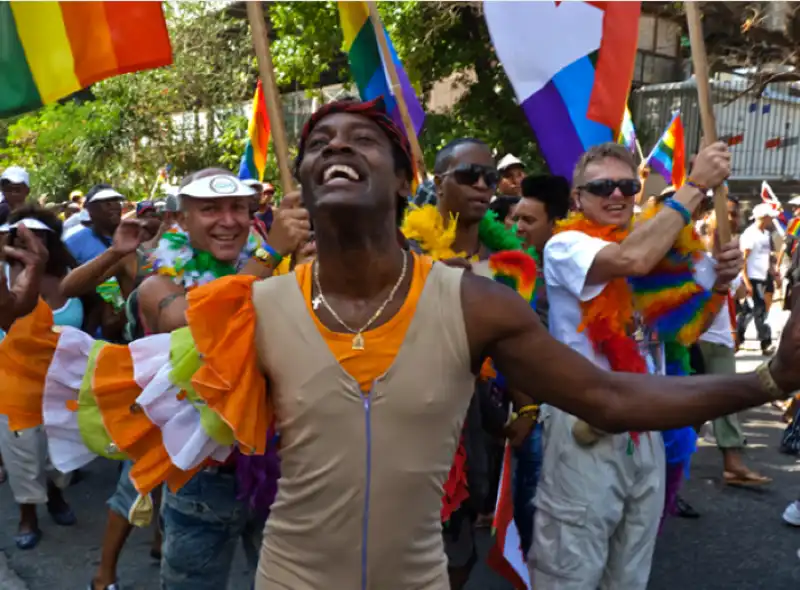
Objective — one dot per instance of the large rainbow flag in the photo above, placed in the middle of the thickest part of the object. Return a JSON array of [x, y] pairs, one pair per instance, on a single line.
[[367, 67], [254, 159], [571, 66], [668, 157], [49, 50]]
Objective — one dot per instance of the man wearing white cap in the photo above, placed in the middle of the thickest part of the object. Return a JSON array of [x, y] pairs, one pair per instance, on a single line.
[[512, 171], [756, 244], [15, 185], [104, 206]]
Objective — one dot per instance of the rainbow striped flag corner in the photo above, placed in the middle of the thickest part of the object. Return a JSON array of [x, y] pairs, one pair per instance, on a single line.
[[572, 77], [793, 229], [254, 159], [50, 50], [668, 157], [367, 67]]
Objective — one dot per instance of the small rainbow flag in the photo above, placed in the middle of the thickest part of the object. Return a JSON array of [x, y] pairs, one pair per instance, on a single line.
[[627, 133], [367, 67], [793, 229], [668, 157], [254, 159], [49, 50]]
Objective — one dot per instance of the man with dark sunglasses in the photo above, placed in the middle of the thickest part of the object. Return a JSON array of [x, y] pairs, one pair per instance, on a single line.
[[600, 497]]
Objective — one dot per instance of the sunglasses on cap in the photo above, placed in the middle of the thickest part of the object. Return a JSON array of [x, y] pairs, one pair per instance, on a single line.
[[468, 174], [605, 187]]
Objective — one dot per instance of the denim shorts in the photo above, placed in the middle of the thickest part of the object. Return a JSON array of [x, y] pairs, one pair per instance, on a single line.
[[202, 523], [125, 495]]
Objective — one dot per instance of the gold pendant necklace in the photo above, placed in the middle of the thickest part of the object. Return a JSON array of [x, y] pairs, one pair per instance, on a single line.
[[358, 336]]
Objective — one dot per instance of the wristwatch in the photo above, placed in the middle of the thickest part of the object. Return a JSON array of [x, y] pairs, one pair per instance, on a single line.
[[267, 256], [768, 383]]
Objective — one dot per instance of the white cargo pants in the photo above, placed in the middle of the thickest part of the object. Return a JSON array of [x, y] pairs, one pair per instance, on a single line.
[[598, 510]]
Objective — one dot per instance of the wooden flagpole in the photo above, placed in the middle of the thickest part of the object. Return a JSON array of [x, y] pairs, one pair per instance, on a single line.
[[397, 90], [258, 26], [700, 63]]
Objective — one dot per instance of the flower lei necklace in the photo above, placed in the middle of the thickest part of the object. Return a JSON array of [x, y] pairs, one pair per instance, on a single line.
[[174, 257]]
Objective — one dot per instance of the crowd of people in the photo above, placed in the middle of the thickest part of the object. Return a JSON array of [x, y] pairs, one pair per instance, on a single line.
[[334, 379]]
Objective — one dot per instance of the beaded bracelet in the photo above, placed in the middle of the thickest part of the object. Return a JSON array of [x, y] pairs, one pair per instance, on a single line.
[[274, 253], [678, 206]]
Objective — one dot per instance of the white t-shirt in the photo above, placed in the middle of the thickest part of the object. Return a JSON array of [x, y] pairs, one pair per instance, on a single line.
[[719, 332], [568, 257], [759, 243]]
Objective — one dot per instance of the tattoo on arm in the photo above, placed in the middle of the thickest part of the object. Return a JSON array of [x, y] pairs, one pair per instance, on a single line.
[[166, 302]]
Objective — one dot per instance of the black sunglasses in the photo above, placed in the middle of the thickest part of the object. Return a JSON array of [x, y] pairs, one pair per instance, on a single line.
[[468, 174], [604, 187]]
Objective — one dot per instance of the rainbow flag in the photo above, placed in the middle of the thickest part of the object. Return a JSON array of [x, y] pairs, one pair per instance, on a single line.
[[573, 75], [367, 67], [627, 133], [793, 229], [254, 159], [668, 157], [49, 50]]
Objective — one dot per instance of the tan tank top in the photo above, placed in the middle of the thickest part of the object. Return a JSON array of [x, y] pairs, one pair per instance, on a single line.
[[359, 499]]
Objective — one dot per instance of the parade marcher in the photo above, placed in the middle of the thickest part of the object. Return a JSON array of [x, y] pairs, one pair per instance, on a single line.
[[104, 207], [461, 224], [32, 478], [717, 346], [601, 496], [512, 171], [370, 415], [545, 201], [15, 186], [759, 276]]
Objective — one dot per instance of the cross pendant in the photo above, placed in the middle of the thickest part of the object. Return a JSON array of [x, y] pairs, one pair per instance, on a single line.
[[358, 342], [316, 302]]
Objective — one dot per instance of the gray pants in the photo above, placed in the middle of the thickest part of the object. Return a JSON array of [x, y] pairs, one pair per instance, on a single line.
[[721, 360], [28, 465], [598, 510]]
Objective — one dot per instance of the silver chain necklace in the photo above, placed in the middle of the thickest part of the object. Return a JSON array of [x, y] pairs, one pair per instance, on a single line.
[[358, 338]]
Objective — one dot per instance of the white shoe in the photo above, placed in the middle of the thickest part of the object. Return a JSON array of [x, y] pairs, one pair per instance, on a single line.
[[792, 514]]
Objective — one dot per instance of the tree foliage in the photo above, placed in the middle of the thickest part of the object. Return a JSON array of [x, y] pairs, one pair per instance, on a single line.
[[435, 41]]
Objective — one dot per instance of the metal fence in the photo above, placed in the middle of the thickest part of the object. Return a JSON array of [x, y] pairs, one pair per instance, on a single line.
[[763, 131]]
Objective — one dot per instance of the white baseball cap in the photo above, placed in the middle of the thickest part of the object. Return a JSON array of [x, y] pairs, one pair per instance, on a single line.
[[508, 161], [106, 194], [217, 186], [795, 201], [16, 175], [764, 210], [30, 223]]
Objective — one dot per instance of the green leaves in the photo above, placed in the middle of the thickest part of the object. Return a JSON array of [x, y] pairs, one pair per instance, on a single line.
[[193, 114]]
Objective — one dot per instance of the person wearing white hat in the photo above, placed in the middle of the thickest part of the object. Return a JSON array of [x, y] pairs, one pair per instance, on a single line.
[[104, 208], [756, 244], [512, 171], [15, 186], [213, 238], [33, 479]]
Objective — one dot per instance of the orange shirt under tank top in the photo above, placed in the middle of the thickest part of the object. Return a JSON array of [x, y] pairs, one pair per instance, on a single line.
[[381, 344]]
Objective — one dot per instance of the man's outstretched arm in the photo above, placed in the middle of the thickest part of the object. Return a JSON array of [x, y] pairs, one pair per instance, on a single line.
[[501, 325]]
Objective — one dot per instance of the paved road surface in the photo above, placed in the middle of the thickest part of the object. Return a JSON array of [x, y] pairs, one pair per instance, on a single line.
[[739, 543]]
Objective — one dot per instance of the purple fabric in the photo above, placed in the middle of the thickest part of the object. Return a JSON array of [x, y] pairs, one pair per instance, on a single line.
[[673, 485], [415, 111], [558, 140], [257, 478]]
